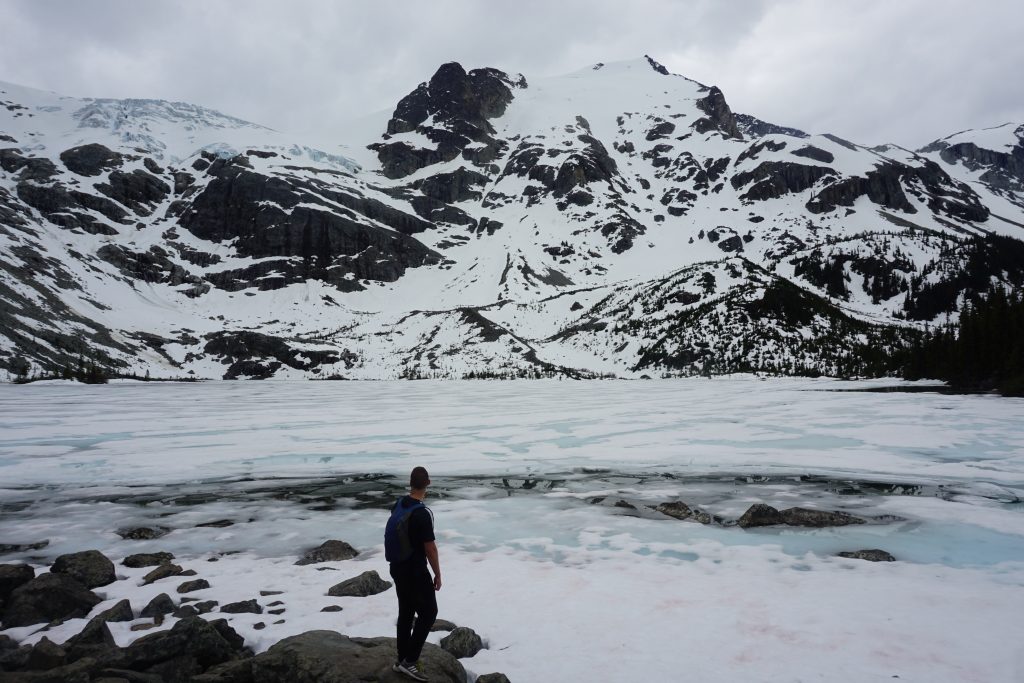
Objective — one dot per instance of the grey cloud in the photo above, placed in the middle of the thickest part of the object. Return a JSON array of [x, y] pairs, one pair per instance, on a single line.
[[871, 71]]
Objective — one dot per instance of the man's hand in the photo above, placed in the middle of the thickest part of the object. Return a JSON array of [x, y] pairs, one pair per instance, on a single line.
[[437, 582]]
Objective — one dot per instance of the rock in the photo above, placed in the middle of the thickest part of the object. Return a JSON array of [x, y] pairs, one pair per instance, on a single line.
[[332, 608], [142, 533], [161, 572], [143, 627], [818, 518], [280, 610], [442, 625], [121, 611], [15, 658], [873, 555], [760, 514], [90, 160], [462, 642], [244, 606], [192, 646], [147, 560], [12, 576], [22, 547], [190, 586], [264, 594], [677, 509], [329, 551], [216, 524], [184, 611], [367, 583], [91, 568], [329, 657], [189, 572], [239, 671], [206, 606], [275, 603], [46, 655], [95, 638], [493, 678], [259, 625], [158, 606], [124, 676], [625, 504], [7, 643], [46, 598]]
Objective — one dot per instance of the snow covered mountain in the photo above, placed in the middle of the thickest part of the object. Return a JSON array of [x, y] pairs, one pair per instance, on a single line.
[[618, 220]]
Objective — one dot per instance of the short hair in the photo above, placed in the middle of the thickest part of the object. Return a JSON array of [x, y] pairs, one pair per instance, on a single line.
[[419, 479]]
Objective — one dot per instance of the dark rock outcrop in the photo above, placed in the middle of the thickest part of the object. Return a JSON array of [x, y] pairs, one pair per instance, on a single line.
[[269, 216], [873, 555], [162, 571], [367, 583], [147, 559], [462, 642], [46, 598], [677, 509], [192, 646], [329, 551], [329, 657], [818, 518], [242, 607], [12, 576], [718, 113], [91, 568], [773, 179], [91, 160], [158, 606], [143, 533], [192, 586], [816, 153], [493, 678], [760, 514]]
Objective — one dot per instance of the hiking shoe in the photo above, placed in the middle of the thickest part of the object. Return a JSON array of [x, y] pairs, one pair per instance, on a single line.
[[410, 670]]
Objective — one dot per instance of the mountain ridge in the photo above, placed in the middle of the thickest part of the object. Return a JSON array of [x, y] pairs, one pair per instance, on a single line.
[[175, 244]]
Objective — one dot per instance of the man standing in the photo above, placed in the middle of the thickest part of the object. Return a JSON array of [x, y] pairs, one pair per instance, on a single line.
[[409, 546]]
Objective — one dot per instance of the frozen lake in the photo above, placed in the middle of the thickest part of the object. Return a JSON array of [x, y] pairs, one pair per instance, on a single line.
[[543, 493]]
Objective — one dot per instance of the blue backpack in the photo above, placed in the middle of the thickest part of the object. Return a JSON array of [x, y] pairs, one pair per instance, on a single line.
[[397, 545]]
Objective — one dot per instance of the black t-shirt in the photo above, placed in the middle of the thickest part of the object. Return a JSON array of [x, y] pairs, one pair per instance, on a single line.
[[421, 530]]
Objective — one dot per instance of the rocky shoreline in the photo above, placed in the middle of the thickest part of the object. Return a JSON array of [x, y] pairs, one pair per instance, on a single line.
[[200, 646]]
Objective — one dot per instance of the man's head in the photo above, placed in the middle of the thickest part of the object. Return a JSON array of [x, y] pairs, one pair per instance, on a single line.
[[419, 480]]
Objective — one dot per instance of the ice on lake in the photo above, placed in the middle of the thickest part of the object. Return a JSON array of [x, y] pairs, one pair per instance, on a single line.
[[543, 494]]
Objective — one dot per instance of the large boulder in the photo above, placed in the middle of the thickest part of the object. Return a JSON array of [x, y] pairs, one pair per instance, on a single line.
[[462, 642], [367, 583], [329, 551], [493, 678], [677, 509], [872, 555], [147, 559], [191, 647], [760, 514], [46, 598], [329, 657], [12, 576], [158, 606], [91, 568], [818, 518]]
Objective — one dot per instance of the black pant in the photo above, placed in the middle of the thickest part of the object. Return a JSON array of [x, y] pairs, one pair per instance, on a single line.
[[415, 591]]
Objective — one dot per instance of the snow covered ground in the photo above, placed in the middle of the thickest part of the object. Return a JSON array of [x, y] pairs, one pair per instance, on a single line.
[[536, 557]]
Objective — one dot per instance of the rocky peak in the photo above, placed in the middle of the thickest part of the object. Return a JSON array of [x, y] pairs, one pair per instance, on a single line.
[[452, 94], [660, 68], [719, 115]]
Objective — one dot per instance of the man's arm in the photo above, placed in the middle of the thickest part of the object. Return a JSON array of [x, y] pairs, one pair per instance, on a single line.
[[430, 548]]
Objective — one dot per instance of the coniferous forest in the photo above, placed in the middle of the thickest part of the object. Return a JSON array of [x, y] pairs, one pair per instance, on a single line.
[[984, 352]]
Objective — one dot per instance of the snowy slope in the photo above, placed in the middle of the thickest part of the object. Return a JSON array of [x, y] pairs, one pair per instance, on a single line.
[[619, 219]]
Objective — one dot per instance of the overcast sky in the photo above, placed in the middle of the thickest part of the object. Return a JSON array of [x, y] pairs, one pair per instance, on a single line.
[[904, 71]]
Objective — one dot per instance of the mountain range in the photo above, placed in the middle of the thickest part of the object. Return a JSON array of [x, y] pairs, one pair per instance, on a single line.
[[617, 221]]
